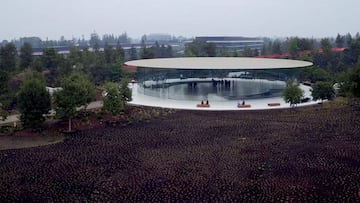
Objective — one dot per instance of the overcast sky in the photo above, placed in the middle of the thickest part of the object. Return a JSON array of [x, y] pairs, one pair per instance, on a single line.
[[189, 18]]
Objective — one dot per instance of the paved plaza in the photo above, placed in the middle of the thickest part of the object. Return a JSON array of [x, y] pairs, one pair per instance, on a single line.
[[256, 104]]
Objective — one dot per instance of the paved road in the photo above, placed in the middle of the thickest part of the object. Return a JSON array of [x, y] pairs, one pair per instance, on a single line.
[[16, 117]]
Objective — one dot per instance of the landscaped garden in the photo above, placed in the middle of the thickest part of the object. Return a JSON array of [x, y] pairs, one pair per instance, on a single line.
[[308, 154]]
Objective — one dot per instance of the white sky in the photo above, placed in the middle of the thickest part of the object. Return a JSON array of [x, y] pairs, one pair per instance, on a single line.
[[189, 18]]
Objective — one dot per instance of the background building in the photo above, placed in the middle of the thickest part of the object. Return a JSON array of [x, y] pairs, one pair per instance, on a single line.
[[234, 43]]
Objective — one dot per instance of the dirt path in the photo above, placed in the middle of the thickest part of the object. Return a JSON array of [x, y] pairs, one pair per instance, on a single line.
[[18, 142]]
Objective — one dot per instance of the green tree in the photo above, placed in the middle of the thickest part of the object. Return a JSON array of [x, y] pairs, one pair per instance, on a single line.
[[36, 65], [3, 113], [4, 77], [112, 101], [51, 61], [235, 53], [33, 103], [354, 79], [50, 58], [145, 52], [200, 48], [292, 93], [116, 71], [210, 49], [8, 55], [314, 74], [276, 47], [247, 52], [293, 46], [340, 41], [133, 53], [74, 55], [109, 53], [322, 90], [348, 39], [76, 91], [26, 57], [326, 45], [125, 91], [224, 52], [119, 53]]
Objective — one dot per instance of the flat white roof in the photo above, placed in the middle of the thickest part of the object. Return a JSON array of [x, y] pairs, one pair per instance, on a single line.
[[218, 63]]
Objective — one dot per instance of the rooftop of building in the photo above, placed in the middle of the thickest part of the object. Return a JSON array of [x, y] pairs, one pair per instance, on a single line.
[[236, 63]]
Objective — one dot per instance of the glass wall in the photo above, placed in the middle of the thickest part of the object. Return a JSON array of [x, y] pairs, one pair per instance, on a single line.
[[215, 85]]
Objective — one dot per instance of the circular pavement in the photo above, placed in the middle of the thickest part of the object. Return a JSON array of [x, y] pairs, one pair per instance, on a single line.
[[255, 104]]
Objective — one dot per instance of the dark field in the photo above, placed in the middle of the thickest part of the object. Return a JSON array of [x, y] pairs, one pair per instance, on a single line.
[[309, 154]]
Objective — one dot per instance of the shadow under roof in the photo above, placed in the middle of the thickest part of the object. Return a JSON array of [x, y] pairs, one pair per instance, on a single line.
[[238, 63]]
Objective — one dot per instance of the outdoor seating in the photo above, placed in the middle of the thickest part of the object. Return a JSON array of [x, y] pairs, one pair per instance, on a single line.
[[202, 105], [244, 106], [273, 104]]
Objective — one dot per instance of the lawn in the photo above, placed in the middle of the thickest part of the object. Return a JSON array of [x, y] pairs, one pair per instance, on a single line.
[[304, 155]]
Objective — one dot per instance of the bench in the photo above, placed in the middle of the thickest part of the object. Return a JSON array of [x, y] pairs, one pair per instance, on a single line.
[[203, 105], [273, 104], [244, 106]]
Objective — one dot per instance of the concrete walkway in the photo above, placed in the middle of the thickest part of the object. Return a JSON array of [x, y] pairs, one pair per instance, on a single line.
[[256, 104]]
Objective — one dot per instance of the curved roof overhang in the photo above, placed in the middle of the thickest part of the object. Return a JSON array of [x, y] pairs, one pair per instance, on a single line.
[[236, 63]]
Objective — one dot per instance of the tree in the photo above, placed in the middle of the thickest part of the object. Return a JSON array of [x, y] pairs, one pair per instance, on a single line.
[[119, 52], [115, 71], [3, 90], [210, 49], [224, 52], [50, 58], [354, 79], [112, 101], [146, 53], [125, 91], [340, 41], [293, 46], [348, 39], [133, 53], [26, 57], [51, 61], [76, 91], [247, 52], [276, 47], [3, 113], [314, 74], [8, 55], [74, 55], [235, 53], [326, 46], [292, 93], [322, 90], [33, 103], [200, 48], [109, 53], [94, 41], [4, 77]]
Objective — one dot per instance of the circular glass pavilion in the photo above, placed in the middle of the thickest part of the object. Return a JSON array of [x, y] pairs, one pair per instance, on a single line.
[[214, 78]]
